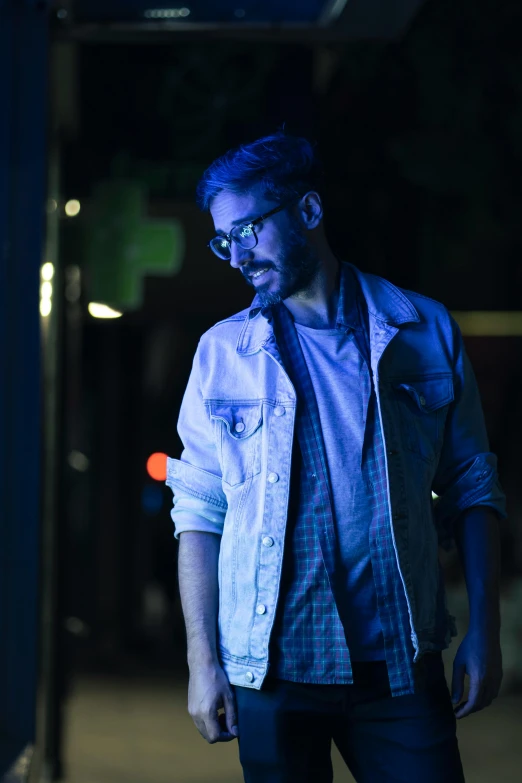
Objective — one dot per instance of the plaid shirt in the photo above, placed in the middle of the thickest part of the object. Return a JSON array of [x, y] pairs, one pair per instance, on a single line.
[[308, 642]]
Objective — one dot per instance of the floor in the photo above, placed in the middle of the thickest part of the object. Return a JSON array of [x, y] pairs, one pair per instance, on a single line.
[[138, 731]]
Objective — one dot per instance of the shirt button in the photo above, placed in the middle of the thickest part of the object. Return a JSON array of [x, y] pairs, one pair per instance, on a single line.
[[261, 609], [249, 677], [273, 478], [422, 400], [279, 411], [239, 426], [268, 541]]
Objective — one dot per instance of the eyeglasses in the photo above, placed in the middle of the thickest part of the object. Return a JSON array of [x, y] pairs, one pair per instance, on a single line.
[[243, 235]]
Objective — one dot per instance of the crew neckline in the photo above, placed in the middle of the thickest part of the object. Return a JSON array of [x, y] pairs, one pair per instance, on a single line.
[[325, 332]]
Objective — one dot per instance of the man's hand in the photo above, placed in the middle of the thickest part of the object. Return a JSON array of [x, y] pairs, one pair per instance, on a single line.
[[480, 657], [209, 690]]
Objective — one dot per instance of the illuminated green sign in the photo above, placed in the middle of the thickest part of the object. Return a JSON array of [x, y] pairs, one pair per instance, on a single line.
[[123, 245]]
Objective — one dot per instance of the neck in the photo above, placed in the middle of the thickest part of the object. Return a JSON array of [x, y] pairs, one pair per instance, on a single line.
[[317, 306]]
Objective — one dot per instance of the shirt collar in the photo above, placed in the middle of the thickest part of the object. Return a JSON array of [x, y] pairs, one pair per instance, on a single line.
[[384, 301], [348, 316]]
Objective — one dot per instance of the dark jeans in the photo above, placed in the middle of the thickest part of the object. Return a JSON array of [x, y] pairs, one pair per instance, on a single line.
[[286, 729]]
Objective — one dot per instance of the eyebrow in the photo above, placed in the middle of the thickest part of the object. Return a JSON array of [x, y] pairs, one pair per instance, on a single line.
[[221, 233]]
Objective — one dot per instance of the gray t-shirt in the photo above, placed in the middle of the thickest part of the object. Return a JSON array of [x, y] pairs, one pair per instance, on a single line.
[[342, 388]]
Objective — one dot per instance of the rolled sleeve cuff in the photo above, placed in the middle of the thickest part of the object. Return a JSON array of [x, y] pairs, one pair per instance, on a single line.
[[199, 501], [191, 514], [478, 486]]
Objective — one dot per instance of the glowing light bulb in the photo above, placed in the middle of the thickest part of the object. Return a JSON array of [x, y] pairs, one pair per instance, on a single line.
[[98, 310], [47, 271], [46, 290], [45, 307], [157, 466], [72, 208]]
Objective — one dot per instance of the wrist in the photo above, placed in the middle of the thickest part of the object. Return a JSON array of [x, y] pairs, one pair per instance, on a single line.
[[486, 618], [198, 659]]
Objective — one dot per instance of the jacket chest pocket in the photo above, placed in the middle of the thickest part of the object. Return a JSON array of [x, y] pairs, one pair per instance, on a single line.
[[238, 437], [422, 403]]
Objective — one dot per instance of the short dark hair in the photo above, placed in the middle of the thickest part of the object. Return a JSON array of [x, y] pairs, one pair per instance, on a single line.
[[286, 166]]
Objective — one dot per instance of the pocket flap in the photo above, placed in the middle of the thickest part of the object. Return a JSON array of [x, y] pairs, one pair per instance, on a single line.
[[429, 393], [240, 419]]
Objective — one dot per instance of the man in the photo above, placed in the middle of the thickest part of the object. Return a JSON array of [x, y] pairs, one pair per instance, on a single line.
[[316, 424]]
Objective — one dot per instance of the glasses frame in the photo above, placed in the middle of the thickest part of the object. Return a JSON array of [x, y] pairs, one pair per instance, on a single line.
[[231, 238]]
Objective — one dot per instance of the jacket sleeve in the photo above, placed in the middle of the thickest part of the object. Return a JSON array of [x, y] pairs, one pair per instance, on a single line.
[[466, 475], [195, 479]]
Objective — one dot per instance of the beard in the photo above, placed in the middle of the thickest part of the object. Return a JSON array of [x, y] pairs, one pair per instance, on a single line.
[[297, 266]]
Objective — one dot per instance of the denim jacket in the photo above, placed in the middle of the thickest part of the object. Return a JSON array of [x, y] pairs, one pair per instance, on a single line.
[[237, 425]]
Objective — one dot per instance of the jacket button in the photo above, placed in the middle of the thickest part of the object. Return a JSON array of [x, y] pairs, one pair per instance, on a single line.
[[279, 411], [261, 609], [249, 677], [239, 426], [268, 541], [422, 400], [273, 478]]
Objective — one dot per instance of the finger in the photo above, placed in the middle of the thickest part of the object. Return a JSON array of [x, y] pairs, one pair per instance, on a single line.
[[202, 728], [224, 734], [457, 683], [209, 728], [489, 694], [474, 701], [231, 714]]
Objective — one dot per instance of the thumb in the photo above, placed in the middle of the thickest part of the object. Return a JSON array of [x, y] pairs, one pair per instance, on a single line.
[[231, 714], [457, 683]]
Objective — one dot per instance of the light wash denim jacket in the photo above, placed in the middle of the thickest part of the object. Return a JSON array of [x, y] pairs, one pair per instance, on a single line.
[[233, 478]]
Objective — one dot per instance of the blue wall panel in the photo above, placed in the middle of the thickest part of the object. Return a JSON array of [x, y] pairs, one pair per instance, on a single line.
[[23, 99]]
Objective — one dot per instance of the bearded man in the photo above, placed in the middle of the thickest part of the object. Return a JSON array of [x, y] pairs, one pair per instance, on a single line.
[[316, 424]]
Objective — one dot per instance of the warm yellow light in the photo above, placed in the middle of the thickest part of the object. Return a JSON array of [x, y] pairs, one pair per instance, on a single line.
[[46, 290], [47, 271], [489, 323], [72, 207], [98, 310], [45, 307]]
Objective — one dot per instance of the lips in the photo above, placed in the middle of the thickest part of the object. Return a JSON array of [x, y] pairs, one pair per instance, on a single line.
[[259, 273]]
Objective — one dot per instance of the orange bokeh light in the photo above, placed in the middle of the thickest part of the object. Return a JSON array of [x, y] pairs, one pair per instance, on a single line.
[[157, 466]]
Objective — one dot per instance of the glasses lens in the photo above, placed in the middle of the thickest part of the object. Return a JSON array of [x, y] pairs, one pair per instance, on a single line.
[[244, 236], [221, 247]]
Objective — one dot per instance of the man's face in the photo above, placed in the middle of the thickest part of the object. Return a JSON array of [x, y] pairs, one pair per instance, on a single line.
[[286, 259]]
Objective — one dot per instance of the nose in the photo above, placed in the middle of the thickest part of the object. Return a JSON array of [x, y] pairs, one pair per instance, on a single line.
[[239, 256]]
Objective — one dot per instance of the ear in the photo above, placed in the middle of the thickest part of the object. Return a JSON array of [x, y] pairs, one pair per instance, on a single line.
[[311, 209]]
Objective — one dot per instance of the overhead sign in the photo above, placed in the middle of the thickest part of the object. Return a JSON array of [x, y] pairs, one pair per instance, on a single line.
[[214, 11], [349, 19], [123, 245]]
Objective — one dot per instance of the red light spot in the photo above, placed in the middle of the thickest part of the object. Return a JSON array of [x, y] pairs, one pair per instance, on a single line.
[[157, 466]]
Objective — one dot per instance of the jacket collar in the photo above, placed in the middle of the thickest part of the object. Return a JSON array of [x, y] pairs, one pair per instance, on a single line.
[[385, 302]]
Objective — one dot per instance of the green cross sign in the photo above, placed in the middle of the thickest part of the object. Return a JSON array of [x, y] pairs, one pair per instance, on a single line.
[[123, 245]]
